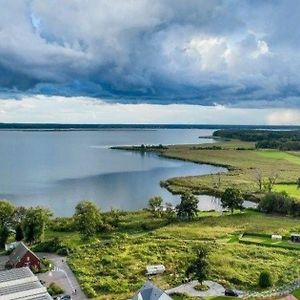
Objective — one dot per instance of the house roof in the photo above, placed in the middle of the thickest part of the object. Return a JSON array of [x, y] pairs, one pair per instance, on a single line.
[[19, 252], [21, 283], [151, 292]]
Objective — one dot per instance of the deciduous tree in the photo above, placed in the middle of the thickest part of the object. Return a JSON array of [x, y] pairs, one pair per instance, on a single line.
[[232, 199], [87, 218], [199, 268], [4, 234], [155, 205], [34, 223], [6, 212], [188, 207]]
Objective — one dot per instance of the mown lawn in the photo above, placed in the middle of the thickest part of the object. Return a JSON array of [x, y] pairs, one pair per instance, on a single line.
[[115, 269], [291, 189], [279, 155]]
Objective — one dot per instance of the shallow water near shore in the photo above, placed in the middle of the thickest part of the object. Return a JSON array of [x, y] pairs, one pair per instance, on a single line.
[[58, 169]]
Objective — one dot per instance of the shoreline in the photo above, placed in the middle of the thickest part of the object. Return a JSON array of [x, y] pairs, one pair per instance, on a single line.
[[166, 184]]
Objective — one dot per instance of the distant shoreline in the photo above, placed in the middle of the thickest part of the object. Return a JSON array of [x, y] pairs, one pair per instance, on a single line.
[[102, 127]]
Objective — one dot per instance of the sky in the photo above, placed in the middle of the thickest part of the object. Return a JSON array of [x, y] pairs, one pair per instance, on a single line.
[[150, 61]]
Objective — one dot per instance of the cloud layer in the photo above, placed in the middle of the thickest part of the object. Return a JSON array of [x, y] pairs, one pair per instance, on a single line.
[[60, 109], [233, 53]]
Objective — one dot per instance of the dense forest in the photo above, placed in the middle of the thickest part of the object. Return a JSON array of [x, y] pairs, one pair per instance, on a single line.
[[268, 139]]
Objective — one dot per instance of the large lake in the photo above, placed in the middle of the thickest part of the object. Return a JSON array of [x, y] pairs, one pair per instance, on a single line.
[[59, 168]]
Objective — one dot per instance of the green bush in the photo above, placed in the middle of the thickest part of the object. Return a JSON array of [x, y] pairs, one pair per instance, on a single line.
[[62, 224], [54, 245], [201, 287], [265, 279], [88, 290], [54, 289], [278, 203], [46, 262], [64, 251]]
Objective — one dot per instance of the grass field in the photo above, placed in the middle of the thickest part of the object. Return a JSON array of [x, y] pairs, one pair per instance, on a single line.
[[243, 167], [267, 241], [291, 189], [120, 259], [278, 155]]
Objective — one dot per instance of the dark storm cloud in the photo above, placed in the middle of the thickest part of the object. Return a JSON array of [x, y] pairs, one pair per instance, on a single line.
[[236, 53]]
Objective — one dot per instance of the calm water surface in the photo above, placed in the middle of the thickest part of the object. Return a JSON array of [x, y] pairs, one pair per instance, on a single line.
[[58, 169]]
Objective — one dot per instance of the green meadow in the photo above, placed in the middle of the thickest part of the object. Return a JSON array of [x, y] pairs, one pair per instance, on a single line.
[[112, 265], [244, 163], [291, 189]]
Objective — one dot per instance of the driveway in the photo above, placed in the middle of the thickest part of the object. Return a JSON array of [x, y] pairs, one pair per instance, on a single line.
[[62, 275], [215, 289]]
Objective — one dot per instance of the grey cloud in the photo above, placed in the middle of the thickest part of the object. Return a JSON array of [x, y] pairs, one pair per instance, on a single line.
[[236, 53]]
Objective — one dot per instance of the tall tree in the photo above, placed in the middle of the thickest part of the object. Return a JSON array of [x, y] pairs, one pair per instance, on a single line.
[[19, 233], [6, 212], [155, 205], [34, 223], [232, 199], [270, 182], [188, 207], [18, 218], [4, 234], [259, 179], [87, 218], [19, 215], [199, 267]]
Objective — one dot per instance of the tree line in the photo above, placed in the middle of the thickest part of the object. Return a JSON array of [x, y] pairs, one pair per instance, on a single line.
[[29, 224], [25, 223], [279, 203], [266, 139]]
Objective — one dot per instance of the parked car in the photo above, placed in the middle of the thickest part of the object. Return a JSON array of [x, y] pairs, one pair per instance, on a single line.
[[66, 297], [231, 293]]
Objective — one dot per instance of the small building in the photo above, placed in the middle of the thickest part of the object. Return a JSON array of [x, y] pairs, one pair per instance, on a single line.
[[276, 237], [21, 283], [155, 269], [22, 256], [11, 246], [151, 292], [295, 237]]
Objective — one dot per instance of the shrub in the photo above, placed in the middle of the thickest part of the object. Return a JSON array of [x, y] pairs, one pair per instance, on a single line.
[[46, 262], [265, 279], [201, 287], [62, 224], [279, 203], [8, 265], [54, 245], [64, 251], [88, 290], [54, 289]]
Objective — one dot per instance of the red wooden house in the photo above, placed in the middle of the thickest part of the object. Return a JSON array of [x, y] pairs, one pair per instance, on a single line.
[[22, 256]]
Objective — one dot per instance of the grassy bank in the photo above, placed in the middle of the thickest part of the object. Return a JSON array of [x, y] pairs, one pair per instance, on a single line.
[[243, 162]]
